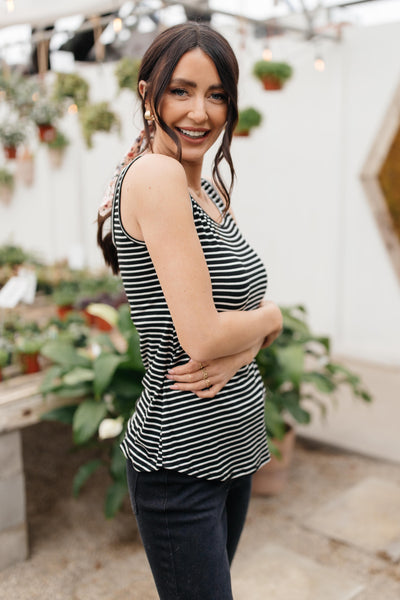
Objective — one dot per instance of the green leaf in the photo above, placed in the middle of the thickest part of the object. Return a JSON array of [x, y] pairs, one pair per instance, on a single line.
[[64, 414], [74, 391], [78, 375], [115, 495], [291, 358], [83, 474], [51, 380], [322, 382], [87, 420], [104, 369], [125, 324], [118, 463], [64, 353]]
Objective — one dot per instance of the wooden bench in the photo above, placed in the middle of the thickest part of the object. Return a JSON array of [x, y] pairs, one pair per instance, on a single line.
[[21, 405]]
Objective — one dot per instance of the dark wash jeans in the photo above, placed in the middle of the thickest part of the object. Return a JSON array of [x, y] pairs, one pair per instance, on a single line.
[[190, 530]]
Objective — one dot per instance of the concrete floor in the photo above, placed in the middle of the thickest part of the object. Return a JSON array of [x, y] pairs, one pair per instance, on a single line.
[[285, 553]]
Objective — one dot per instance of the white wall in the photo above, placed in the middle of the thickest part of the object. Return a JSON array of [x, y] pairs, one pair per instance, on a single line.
[[298, 196]]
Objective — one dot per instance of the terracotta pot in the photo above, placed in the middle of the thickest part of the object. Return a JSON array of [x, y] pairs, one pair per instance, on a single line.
[[47, 133], [26, 170], [10, 152], [29, 362], [56, 157], [5, 194], [272, 83], [241, 133], [271, 479], [63, 311]]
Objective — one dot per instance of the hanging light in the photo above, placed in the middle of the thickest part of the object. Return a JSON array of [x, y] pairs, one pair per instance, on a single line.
[[10, 5], [117, 24], [319, 64], [267, 53]]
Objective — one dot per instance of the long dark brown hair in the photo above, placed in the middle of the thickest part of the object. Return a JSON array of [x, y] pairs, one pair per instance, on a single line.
[[157, 67]]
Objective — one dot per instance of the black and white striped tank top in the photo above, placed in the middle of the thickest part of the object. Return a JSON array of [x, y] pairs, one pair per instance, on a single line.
[[219, 438]]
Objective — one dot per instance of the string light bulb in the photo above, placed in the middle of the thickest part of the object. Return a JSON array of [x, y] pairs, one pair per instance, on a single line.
[[117, 24], [72, 109], [267, 53], [319, 64], [10, 5]]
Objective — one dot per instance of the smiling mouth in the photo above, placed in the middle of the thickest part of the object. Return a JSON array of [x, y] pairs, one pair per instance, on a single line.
[[192, 134]]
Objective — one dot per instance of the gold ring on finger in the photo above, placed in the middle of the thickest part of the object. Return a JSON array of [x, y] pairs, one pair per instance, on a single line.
[[205, 374], [208, 384]]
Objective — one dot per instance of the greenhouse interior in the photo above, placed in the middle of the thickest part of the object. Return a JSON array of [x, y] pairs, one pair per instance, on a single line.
[[315, 146]]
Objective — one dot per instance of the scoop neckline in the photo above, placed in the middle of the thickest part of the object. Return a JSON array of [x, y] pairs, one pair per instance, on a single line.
[[204, 181]]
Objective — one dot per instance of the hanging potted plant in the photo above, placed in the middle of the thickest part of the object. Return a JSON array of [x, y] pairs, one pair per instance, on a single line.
[[273, 75], [25, 166], [11, 135], [248, 119], [71, 86], [297, 371], [6, 185], [97, 117], [44, 114], [57, 148], [126, 72]]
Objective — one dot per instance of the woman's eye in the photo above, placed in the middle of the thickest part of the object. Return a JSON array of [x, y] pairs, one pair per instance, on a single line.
[[219, 96], [178, 91]]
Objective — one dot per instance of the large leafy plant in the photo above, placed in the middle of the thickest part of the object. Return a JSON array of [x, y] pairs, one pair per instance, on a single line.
[[297, 371], [103, 383]]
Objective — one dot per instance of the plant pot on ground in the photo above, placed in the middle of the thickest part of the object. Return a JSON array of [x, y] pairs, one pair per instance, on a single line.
[[298, 372], [248, 119], [273, 75]]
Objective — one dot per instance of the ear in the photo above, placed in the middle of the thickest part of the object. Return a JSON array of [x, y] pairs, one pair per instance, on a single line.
[[143, 89]]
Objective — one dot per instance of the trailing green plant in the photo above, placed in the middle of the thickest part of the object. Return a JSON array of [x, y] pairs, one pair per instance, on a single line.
[[97, 117], [279, 70], [6, 178], [60, 141], [297, 371], [248, 118], [126, 72], [71, 86], [14, 255], [103, 383], [12, 133]]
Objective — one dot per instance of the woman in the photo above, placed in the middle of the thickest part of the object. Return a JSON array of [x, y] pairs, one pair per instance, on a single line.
[[196, 290]]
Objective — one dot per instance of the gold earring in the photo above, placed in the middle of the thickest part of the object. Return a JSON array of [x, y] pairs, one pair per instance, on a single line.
[[148, 116]]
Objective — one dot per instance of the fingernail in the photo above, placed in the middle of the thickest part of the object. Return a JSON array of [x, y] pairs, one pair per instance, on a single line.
[[174, 387]]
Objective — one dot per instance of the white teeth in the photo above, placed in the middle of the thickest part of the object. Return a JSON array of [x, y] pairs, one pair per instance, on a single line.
[[194, 134]]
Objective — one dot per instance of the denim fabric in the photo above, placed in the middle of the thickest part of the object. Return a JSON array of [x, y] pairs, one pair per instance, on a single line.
[[190, 530]]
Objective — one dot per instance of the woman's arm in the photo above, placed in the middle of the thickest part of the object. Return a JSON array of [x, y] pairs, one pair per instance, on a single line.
[[155, 201]]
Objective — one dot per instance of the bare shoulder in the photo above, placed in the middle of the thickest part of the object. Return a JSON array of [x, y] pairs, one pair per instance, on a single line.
[[155, 171]]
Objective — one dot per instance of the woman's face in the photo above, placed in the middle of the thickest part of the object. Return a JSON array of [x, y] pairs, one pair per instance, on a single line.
[[194, 105]]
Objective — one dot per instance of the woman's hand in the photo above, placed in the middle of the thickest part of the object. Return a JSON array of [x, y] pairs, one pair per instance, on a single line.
[[208, 378]]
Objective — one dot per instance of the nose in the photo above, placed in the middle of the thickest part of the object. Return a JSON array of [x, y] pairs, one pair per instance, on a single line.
[[198, 112]]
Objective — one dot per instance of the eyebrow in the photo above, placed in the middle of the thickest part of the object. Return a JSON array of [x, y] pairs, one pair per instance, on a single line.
[[192, 84]]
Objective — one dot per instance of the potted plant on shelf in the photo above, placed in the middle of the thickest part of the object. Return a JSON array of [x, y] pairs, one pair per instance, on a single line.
[[298, 372], [273, 75], [64, 297], [11, 135], [4, 360], [28, 346], [126, 72], [71, 86], [57, 148], [44, 114], [248, 119], [7, 183], [97, 117]]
